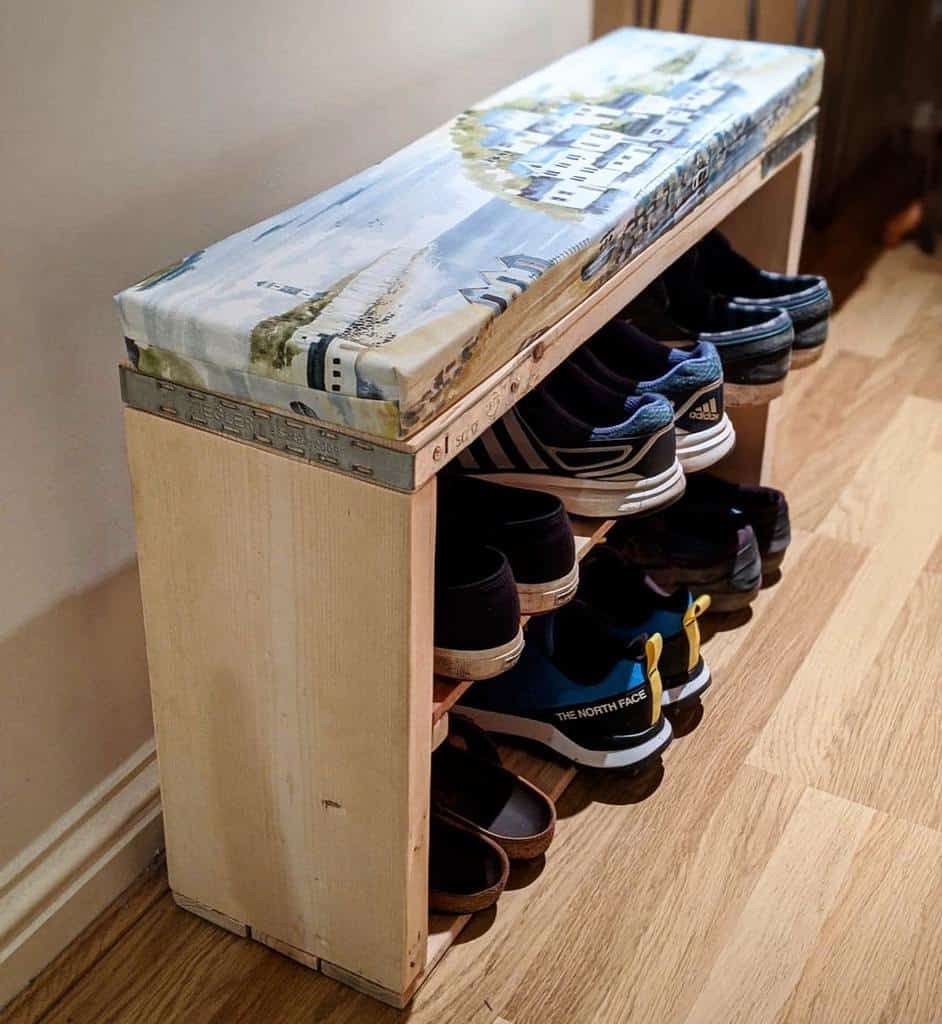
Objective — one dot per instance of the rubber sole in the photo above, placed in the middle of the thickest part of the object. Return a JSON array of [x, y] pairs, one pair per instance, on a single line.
[[537, 598], [802, 357], [602, 499], [549, 736], [675, 695], [696, 451], [752, 394], [475, 665], [770, 563]]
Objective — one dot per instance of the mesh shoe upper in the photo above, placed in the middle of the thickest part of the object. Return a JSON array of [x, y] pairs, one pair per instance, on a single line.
[[577, 676]]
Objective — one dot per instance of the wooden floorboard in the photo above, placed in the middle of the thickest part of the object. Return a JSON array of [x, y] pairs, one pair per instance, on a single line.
[[785, 864]]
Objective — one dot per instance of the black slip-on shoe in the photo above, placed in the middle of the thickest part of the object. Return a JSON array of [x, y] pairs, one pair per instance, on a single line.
[[754, 343], [765, 509], [579, 690], [477, 612], [532, 528], [708, 550], [600, 455], [805, 297], [632, 606], [623, 357], [467, 872], [471, 787]]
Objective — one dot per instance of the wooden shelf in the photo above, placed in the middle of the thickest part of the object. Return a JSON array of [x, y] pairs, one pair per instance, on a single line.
[[589, 532]]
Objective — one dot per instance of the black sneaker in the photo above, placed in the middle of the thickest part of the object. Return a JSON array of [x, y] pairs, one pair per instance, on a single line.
[[632, 606], [755, 344], [477, 613], [554, 440], [764, 508], [710, 549], [623, 357], [579, 691], [530, 527], [805, 297]]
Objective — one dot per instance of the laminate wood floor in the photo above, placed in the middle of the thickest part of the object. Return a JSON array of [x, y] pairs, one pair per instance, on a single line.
[[786, 863]]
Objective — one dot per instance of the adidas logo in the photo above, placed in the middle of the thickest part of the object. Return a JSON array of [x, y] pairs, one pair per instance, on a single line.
[[707, 411]]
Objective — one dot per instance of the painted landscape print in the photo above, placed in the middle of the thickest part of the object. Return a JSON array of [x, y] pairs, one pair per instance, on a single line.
[[387, 297]]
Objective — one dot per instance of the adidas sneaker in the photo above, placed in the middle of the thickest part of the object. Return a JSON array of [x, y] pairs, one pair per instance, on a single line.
[[580, 691], [624, 358], [632, 606], [805, 297], [754, 342], [601, 454]]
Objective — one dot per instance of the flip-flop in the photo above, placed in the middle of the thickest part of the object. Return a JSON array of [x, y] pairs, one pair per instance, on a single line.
[[467, 872], [473, 789]]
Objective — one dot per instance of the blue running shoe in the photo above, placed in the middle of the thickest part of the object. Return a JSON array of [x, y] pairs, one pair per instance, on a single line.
[[805, 297], [632, 606], [600, 454], [580, 691], [624, 358]]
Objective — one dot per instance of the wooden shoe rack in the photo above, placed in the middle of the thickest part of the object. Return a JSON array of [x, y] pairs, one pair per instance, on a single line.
[[287, 576]]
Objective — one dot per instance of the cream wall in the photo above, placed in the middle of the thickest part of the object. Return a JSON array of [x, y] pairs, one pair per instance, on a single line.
[[133, 133]]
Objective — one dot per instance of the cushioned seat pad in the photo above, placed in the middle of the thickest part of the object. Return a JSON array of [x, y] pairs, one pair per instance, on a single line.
[[383, 300]]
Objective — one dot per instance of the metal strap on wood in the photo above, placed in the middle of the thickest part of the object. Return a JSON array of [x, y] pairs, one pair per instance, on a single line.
[[266, 428]]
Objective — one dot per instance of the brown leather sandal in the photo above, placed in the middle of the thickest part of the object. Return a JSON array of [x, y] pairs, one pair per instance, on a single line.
[[471, 787], [467, 872]]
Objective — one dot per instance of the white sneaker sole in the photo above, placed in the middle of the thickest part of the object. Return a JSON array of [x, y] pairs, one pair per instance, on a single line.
[[475, 665], [698, 450], [686, 691], [602, 499], [537, 598], [543, 732]]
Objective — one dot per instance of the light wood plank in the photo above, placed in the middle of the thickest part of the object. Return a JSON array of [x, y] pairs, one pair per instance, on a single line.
[[867, 507], [290, 660], [756, 971], [701, 906], [798, 736], [898, 285], [887, 748], [869, 941]]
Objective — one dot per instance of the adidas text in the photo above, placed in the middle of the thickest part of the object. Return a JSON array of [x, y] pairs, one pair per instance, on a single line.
[[707, 411]]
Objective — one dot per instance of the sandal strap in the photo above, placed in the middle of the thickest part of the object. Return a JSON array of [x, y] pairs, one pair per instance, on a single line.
[[472, 738]]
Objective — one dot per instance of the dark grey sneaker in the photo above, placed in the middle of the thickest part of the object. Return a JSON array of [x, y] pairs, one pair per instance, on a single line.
[[754, 342], [477, 612], [805, 297]]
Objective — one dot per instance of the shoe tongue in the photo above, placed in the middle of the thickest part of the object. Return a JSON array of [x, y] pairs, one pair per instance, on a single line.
[[582, 648]]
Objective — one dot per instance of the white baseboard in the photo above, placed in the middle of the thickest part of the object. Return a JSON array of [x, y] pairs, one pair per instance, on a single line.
[[70, 873]]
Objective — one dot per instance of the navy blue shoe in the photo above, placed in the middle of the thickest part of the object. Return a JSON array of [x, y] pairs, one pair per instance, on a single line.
[[580, 691], [632, 606], [709, 548], [805, 297], [623, 357], [601, 454], [754, 343]]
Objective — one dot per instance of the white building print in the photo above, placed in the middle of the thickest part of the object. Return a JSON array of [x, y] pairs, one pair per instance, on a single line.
[[578, 155]]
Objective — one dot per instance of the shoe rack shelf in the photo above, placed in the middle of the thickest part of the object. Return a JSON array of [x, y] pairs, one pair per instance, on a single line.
[[288, 611]]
